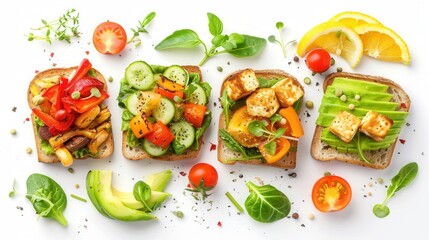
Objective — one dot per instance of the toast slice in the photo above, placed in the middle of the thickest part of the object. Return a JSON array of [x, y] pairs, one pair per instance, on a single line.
[[224, 153], [137, 153], [105, 149], [381, 158]]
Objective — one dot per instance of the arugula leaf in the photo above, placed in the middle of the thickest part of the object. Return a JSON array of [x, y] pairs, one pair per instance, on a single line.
[[201, 130], [226, 103], [267, 83], [231, 143]]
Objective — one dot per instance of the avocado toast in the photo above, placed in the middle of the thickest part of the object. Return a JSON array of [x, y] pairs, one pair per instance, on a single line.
[[375, 108]]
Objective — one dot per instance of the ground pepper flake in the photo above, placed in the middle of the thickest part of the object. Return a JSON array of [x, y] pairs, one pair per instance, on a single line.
[[87, 52], [402, 141], [219, 224], [212, 147]]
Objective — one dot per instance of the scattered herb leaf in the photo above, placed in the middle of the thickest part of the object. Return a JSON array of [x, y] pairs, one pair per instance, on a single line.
[[141, 29]]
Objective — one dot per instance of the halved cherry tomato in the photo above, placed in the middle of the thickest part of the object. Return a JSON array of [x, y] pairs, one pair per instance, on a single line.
[[194, 114], [109, 38], [318, 60], [331, 193], [202, 177], [161, 136]]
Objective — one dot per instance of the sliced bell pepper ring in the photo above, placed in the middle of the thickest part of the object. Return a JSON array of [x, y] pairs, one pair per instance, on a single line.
[[161, 136], [194, 114], [293, 120], [60, 126], [84, 86], [282, 147], [169, 94], [84, 104], [169, 85], [141, 126], [81, 71]]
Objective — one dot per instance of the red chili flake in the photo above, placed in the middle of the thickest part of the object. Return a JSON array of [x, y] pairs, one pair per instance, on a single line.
[[36, 71], [27, 119], [219, 224], [189, 185], [402, 141], [212, 147], [183, 174], [52, 55], [87, 52], [403, 105]]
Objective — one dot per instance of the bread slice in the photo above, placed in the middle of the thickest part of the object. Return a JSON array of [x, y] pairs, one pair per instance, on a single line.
[[105, 149], [381, 158], [137, 153], [224, 153]]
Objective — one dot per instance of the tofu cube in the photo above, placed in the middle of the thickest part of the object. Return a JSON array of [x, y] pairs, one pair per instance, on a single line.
[[345, 125], [376, 125], [242, 84], [287, 92], [262, 103]]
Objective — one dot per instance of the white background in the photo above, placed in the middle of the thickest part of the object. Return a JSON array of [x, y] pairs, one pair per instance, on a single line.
[[20, 60]]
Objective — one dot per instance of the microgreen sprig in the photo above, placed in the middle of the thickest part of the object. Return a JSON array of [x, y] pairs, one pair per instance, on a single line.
[[283, 45], [63, 29], [141, 29], [258, 128]]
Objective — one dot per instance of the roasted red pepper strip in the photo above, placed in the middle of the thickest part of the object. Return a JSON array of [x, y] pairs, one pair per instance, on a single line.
[[81, 71], [85, 85], [60, 94], [161, 136], [51, 122], [51, 93], [84, 104]]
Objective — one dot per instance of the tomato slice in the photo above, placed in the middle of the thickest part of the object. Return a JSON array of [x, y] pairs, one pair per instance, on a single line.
[[331, 193], [109, 38]]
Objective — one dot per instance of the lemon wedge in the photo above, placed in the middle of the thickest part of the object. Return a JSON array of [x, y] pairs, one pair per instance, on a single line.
[[335, 38], [353, 19], [381, 42]]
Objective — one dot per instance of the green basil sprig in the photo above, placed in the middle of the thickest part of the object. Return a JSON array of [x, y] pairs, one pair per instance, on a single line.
[[47, 197], [238, 45], [404, 177]]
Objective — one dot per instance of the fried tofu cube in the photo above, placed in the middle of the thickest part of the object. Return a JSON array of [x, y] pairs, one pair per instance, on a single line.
[[242, 84], [262, 103], [375, 125], [288, 92], [345, 125]]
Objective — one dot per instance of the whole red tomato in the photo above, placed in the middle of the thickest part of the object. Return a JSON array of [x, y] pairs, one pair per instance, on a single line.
[[109, 38], [318, 60], [202, 177]]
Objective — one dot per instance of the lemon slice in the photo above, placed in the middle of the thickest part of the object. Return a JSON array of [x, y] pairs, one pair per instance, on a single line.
[[383, 43], [353, 19], [335, 38]]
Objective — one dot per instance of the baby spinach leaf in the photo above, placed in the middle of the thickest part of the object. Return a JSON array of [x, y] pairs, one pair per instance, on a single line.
[[142, 193], [47, 197], [266, 203], [215, 24], [185, 38], [404, 177], [250, 47]]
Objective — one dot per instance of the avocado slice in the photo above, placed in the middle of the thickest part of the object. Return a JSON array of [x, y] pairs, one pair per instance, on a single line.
[[351, 93], [329, 108], [128, 199], [90, 188], [100, 188], [355, 84], [361, 103]]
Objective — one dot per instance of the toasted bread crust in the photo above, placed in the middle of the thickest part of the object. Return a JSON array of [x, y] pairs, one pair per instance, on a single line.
[[224, 153], [106, 149], [137, 153], [382, 158]]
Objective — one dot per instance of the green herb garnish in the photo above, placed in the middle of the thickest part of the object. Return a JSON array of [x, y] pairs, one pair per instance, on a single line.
[[141, 29], [283, 45]]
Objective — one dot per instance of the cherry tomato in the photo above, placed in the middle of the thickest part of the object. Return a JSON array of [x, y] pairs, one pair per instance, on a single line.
[[331, 193], [318, 60], [202, 177], [109, 38], [60, 114]]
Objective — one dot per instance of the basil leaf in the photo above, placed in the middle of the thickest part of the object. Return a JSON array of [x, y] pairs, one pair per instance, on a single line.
[[215, 24], [185, 38], [47, 197], [266, 203], [236, 38], [250, 47]]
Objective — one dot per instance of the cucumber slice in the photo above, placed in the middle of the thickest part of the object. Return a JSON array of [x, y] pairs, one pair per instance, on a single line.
[[131, 103], [184, 136], [139, 75], [199, 95], [165, 111], [177, 74], [152, 149]]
